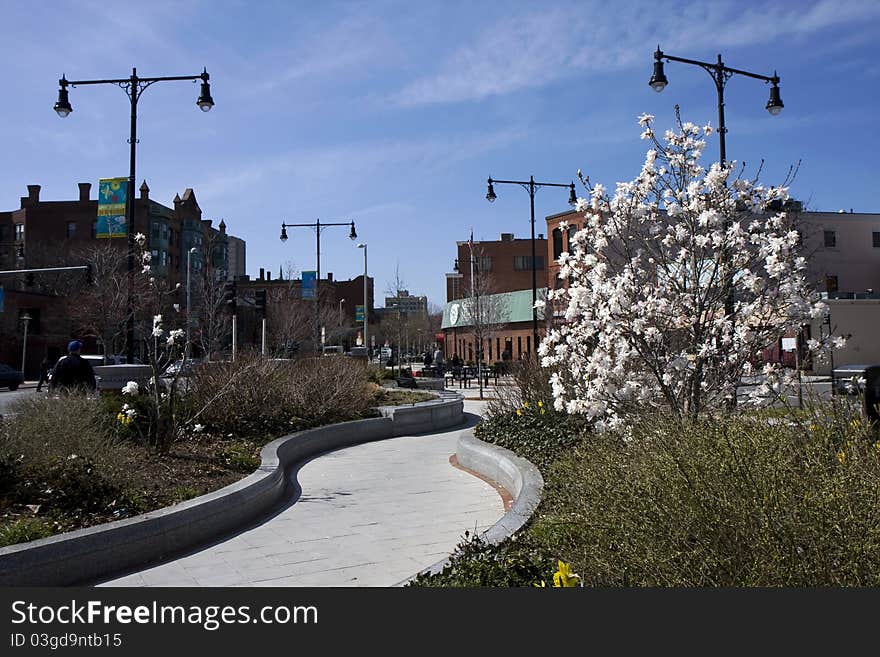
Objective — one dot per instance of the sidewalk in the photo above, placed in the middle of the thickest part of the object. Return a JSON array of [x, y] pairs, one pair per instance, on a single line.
[[369, 515]]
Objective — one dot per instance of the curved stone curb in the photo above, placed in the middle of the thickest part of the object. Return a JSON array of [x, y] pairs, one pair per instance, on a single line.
[[95, 553], [515, 474]]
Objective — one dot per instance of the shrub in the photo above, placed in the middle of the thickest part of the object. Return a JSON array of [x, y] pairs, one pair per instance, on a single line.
[[533, 431], [25, 529], [379, 374], [718, 502], [257, 397], [476, 563], [59, 453]]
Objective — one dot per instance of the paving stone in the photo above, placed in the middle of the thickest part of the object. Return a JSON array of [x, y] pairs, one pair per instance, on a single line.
[[369, 515]]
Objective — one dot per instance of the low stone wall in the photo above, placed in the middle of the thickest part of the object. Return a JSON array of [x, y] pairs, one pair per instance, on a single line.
[[514, 474], [90, 555], [114, 377]]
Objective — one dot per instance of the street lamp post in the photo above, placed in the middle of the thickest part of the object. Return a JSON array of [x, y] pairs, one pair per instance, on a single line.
[[189, 255], [531, 187], [720, 74], [366, 308], [317, 227], [25, 318], [133, 87], [341, 337]]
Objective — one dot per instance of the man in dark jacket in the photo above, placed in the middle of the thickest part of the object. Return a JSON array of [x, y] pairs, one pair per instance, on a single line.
[[73, 372]]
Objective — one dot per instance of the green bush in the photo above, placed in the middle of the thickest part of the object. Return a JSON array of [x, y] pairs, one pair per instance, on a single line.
[[25, 529], [476, 563], [718, 502], [241, 457], [379, 374], [535, 431]]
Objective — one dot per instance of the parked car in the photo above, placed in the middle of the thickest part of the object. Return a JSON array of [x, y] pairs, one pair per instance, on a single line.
[[180, 368], [10, 378]]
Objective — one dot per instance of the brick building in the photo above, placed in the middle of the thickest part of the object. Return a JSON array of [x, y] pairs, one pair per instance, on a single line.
[[290, 318], [503, 274], [43, 233]]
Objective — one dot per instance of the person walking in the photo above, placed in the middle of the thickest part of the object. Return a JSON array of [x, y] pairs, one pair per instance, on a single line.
[[73, 372], [46, 366]]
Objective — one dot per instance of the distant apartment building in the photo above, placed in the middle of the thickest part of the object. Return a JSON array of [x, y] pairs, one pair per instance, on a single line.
[[408, 303], [237, 259]]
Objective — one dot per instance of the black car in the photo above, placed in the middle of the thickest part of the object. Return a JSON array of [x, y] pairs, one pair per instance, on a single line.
[[10, 378]]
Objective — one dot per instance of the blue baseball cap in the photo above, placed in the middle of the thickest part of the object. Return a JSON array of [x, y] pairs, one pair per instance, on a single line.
[[74, 345]]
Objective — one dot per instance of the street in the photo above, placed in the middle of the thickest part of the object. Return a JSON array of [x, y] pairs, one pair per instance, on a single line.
[[8, 397]]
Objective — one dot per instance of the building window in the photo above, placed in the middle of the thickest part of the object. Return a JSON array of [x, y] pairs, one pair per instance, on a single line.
[[19, 232], [876, 237], [71, 229], [528, 344], [163, 258], [571, 246], [830, 239], [557, 243], [831, 284], [518, 346], [522, 263]]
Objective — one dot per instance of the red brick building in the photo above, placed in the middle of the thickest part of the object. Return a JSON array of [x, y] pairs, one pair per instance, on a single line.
[[503, 271], [43, 233]]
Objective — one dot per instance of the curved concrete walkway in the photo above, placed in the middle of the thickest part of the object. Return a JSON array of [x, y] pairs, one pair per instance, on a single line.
[[369, 515]]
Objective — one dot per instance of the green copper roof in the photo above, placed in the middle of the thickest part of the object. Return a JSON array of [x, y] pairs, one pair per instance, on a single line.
[[511, 307]]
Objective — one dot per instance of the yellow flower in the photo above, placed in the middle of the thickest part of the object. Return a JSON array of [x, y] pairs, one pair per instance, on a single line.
[[841, 456], [877, 445], [814, 427], [855, 424], [525, 404], [542, 411], [540, 404], [518, 412], [564, 578]]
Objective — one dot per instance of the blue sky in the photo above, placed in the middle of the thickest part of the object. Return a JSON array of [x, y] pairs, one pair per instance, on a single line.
[[394, 113]]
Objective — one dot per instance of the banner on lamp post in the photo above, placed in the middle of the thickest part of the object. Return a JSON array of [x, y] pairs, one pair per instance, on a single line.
[[309, 284], [359, 313], [112, 195]]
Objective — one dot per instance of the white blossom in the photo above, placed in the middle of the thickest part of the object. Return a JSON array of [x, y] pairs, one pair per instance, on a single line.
[[646, 318], [140, 238], [130, 388]]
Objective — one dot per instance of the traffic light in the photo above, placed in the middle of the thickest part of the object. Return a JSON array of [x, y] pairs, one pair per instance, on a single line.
[[229, 296], [260, 302]]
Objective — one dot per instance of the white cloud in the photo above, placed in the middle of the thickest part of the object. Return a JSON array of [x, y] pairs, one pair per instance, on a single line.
[[534, 49]]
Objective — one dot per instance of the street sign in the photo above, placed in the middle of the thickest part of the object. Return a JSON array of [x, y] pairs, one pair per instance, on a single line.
[[359, 313], [789, 344]]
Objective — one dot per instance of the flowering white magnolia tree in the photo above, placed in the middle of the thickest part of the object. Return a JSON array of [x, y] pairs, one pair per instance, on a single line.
[[653, 277]]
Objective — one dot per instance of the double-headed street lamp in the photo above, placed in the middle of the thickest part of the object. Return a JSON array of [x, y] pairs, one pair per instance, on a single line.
[[317, 227], [133, 87], [531, 186], [720, 75]]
